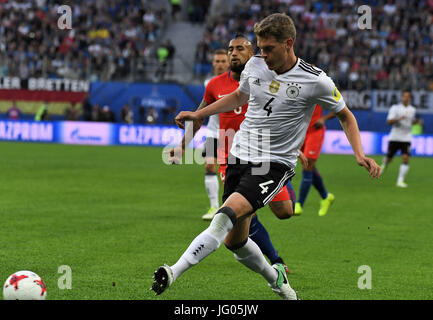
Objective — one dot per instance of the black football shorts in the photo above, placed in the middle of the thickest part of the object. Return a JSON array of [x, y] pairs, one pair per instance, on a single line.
[[394, 146], [258, 189]]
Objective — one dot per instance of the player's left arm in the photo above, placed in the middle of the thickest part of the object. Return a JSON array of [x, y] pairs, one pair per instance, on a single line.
[[326, 94], [350, 127], [417, 119]]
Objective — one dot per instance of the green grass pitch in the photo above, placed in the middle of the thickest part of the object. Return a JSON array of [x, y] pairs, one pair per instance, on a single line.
[[114, 214]]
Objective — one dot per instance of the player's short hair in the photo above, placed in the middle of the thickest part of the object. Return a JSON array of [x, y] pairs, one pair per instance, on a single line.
[[406, 90], [278, 25], [240, 35], [220, 51]]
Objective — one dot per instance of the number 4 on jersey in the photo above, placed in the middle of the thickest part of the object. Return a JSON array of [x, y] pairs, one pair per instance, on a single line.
[[267, 108], [264, 186]]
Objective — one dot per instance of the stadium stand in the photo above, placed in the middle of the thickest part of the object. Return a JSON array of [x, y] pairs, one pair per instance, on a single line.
[[119, 39], [140, 41], [396, 52], [109, 40]]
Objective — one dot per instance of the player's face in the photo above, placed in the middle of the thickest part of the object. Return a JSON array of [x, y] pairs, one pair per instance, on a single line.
[[220, 64], [405, 98], [274, 53], [239, 52]]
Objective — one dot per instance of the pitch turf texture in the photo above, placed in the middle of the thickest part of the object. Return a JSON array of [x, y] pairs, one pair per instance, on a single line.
[[114, 214]]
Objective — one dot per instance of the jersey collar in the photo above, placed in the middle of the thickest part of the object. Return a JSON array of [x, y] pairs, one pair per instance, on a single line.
[[293, 67]]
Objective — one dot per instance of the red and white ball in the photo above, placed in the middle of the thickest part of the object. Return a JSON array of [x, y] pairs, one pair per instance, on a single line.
[[24, 285]]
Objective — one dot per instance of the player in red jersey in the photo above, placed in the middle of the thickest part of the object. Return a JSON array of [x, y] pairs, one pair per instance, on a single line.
[[240, 51], [310, 175]]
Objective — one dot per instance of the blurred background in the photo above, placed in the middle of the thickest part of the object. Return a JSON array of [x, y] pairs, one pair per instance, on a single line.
[[141, 62]]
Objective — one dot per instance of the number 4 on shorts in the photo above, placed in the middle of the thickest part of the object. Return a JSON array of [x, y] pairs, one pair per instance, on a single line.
[[264, 186]]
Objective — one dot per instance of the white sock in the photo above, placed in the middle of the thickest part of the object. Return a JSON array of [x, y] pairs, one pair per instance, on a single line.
[[204, 244], [212, 188], [252, 257], [402, 172]]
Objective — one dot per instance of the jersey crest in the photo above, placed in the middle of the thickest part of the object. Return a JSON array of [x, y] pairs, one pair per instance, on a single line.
[[293, 90], [274, 86]]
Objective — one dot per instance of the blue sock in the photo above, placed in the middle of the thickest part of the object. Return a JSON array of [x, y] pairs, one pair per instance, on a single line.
[[291, 193], [307, 180], [318, 184], [260, 236]]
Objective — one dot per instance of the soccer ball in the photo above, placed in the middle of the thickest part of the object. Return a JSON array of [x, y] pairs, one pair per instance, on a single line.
[[24, 285]]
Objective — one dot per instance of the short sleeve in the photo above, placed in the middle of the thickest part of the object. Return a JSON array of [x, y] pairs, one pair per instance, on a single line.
[[326, 94], [209, 96], [391, 113]]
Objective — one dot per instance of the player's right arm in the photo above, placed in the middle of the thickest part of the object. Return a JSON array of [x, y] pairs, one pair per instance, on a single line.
[[227, 103], [394, 121], [193, 127], [392, 118], [190, 131]]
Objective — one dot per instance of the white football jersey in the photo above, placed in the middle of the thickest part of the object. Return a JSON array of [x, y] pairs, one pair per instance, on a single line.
[[213, 123], [402, 130], [279, 110]]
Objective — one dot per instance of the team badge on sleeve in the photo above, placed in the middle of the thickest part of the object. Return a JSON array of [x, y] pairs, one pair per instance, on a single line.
[[336, 94]]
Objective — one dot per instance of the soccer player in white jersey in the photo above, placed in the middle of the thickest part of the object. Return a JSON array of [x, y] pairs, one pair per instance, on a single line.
[[282, 91], [401, 117], [220, 64]]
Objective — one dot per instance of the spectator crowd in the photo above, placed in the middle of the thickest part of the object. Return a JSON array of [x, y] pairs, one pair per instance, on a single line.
[[396, 52], [109, 39], [118, 39]]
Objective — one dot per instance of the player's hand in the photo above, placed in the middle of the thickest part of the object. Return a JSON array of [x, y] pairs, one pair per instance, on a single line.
[[319, 123], [184, 116], [372, 167], [303, 159], [175, 155]]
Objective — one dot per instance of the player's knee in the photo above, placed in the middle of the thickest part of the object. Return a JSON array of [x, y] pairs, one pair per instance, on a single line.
[[289, 212], [286, 213], [282, 209]]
